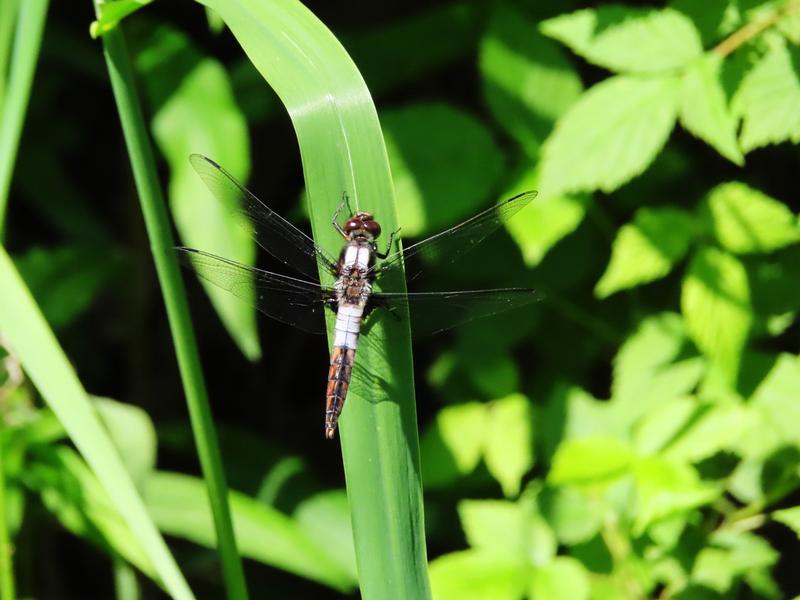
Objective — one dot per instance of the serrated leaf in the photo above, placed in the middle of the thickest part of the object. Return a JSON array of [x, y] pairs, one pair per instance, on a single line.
[[610, 135], [789, 517], [715, 301], [527, 81], [453, 446], [444, 164], [665, 488], [622, 38], [745, 220], [768, 100], [713, 18], [563, 579], [646, 249], [591, 460], [200, 115], [508, 445], [546, 220], [704, 108], [510, 529], [476, 575]]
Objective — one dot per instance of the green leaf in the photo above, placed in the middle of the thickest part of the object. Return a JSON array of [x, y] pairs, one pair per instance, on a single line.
[[789, 517], [768, 100], [713, 18], [592, 460], [546, 220], [201, 116], [444, 163], [704, 108], [646, 249], [574, 516], [134, 435], [713, 429], [111, 13], [715, 301], [527, 81], [745, 220], [48, 368], [453, 446], [508, 529], [731, 555], [508, 445], [622, 38], [776, 399], [493, 375], [476, 575], [563, 579], [665, 488], [179, 504], [610, 135], [66, 280]]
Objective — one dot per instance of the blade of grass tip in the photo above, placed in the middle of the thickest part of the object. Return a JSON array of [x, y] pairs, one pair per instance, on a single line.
[[169, 276], [6, 562], [28, 38], [33, 342], [343, 150]]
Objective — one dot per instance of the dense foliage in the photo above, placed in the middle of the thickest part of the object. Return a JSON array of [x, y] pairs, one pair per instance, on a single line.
[[634, 434]]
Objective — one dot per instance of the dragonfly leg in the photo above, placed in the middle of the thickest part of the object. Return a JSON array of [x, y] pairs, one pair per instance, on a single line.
[[389, 245], [335, 220]]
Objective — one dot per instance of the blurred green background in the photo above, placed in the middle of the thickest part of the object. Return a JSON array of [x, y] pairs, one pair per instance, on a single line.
[[635, 434]]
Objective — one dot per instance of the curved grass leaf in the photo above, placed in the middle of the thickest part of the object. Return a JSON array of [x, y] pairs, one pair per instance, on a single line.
[[623, 39], [179, 505], [343, 151], [112, 12], [45, 363], [610, 135], [646, 249]]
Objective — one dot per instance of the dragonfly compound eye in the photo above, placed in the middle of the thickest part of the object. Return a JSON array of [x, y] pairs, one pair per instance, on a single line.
[[372, 227]]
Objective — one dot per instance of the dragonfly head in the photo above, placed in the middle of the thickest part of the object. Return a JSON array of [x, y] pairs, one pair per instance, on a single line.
[[362, 223]]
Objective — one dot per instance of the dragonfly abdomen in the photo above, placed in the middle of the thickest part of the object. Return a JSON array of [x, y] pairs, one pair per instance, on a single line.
[[339, 374]]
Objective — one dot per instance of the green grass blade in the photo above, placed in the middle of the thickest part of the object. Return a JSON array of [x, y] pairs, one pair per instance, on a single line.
[[30, 24], [161, 243], [343, 150], [8, 13], [6, 561], [32, 340]]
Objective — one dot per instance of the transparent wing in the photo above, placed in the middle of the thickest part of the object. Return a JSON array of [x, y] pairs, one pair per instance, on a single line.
[[432, 312], [292, 301], [272, 232], [458, 240]]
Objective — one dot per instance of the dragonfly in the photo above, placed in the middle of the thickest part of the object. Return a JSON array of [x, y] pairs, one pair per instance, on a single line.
[[301, 301]]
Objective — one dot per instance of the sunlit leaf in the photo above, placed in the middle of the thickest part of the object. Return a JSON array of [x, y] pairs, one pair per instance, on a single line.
[[444, 164], [768, 100], [112, 12], [591, 460], [730, 555], [789, 517], [662, 39], [133, 434], [715, 301], [711, 430], [712, 18], [453, 446], [325, 517], [646, 249], [665, 488], [527, 81], [745, 220], [563, 579], [610, 135], [476, 575], [574, 516], [704, 108], [508, 445], [776, 398]]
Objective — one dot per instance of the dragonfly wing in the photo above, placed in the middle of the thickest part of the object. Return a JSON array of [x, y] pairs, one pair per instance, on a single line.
[[433, 312], [456, 241], [272, 232], [292, 301]]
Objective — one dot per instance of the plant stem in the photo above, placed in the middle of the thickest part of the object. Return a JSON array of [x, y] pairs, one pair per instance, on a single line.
[[30, 24], [753, 29], [6, 563], [162, 243]]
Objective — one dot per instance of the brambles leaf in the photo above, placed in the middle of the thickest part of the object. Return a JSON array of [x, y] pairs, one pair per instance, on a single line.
[[590, 460], [610, 135], [704, 108], [623, 39], [715, 301], [476, 575], [646, 249], [745, 220], [508, 450]]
